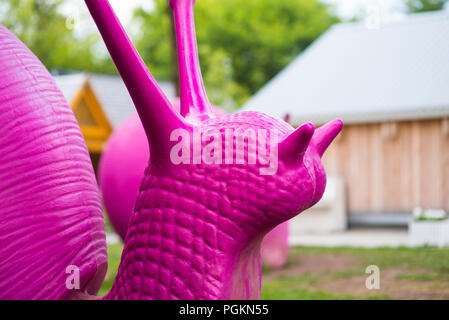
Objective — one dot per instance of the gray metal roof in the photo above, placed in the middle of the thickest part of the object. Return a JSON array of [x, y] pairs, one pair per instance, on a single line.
[[399, 71], [109, 90]]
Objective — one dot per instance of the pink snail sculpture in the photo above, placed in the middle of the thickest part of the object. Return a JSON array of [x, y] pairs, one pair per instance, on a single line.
[[121, 171], [196, 229]]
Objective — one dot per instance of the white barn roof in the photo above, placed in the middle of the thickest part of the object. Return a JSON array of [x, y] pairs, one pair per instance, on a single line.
[[109, 90], [397, 72]]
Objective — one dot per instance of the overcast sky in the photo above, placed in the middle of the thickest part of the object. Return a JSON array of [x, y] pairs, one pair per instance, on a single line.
[[345, 8]]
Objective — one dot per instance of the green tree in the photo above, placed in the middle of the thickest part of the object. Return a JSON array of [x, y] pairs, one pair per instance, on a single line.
[[242, 44], [45, 30], [414, 6]]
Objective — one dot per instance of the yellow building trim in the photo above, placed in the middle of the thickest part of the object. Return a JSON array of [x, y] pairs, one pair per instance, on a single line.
[[95, 146], [91, 118]]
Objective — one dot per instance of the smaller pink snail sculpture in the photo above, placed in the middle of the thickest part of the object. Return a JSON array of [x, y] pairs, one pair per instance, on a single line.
[[198, 222], [121, 171]]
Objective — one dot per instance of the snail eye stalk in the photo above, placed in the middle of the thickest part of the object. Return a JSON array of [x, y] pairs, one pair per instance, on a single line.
[[295, 145], [193, 93], [155, 111], [324, 135]]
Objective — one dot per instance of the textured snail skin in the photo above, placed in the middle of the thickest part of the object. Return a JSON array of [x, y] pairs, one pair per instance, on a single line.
[[121, 170], [196, 229], [50, 209]]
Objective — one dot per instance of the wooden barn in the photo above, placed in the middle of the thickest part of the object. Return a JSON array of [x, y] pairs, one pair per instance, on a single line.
[[390, 86], [100, 103]]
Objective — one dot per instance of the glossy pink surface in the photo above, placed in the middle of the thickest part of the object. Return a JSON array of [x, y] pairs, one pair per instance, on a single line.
[[121, 170], [50, 210]]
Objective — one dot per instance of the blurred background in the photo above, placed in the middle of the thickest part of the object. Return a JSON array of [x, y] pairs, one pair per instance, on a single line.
[[379, 65]]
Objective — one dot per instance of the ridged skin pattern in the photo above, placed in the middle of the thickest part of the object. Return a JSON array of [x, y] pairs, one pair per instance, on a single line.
[[120, 174], [50, 208], [122, 166], [196, 230]]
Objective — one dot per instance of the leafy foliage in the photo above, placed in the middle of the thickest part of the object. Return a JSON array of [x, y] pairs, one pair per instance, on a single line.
[[44, 29], [242, 44], [424, 5]]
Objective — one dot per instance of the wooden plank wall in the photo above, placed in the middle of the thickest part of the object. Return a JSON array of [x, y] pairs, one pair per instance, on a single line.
[[393, 167]]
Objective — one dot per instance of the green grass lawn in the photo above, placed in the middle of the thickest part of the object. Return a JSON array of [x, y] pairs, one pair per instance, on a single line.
[[339, 273]]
